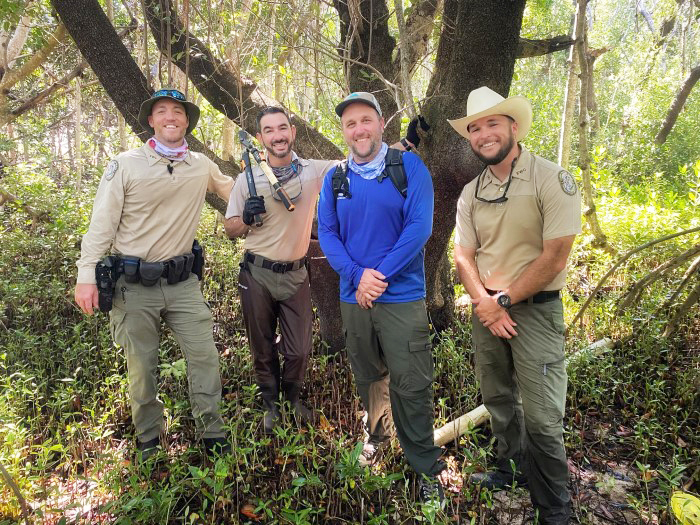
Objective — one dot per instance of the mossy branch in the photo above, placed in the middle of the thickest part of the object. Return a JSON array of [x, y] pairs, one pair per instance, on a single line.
[[695, 265], [690, 301], [621, 261], [636, 290]]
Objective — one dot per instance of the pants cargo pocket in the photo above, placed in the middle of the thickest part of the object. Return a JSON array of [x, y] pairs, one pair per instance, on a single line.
[[116, 325], [554, 382], [421, 363]]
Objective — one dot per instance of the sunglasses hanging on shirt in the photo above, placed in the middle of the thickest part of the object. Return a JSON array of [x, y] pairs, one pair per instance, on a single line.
[[502, 198]]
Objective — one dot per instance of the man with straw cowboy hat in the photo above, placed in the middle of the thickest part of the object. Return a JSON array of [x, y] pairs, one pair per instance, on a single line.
[[516, 223]]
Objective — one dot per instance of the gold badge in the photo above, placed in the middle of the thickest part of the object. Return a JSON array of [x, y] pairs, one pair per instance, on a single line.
[[111, 169], [567, 182]]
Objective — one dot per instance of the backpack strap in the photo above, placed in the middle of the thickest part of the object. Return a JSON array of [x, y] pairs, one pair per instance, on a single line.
[[393, 168], [340, 182]]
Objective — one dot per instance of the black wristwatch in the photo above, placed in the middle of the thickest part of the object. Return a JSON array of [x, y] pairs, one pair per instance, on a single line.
[[406, 144], [504, 301]]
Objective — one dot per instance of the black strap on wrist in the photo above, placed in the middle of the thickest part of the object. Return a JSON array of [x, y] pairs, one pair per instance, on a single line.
[[406, 144]]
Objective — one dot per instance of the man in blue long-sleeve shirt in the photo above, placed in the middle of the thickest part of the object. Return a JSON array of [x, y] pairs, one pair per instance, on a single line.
[[373, 237]]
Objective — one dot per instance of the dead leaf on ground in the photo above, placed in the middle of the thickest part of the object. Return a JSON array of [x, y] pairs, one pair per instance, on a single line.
[[248, 510]]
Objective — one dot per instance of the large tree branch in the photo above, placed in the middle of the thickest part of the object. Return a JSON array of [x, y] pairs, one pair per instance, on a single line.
[[237, 98], [419, 27], [30, 102], [677, 105], [533, 48], [13, 76]]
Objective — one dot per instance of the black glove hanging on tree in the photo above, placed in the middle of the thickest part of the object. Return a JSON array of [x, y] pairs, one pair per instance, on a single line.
[[412, 132], [253, 206]]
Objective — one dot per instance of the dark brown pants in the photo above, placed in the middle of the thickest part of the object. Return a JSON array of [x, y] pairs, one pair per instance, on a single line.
[[260, 314]]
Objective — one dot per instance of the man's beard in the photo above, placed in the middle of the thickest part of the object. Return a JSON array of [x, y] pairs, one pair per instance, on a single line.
[[271, 151], [373, 148], [500, 156]]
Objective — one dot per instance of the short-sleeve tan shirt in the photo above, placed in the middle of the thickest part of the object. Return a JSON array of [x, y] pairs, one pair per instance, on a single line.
[[284, 235], [143, 210], [543, 203]]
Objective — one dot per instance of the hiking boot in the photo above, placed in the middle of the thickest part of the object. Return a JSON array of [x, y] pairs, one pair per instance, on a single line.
[[498, 480], [430, 491], [146, 450], [291, 390], [372, 452], [217, 446], [272, 416]]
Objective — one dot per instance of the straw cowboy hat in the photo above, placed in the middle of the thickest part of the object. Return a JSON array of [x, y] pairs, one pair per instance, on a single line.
[[173, 94], [483, 102]]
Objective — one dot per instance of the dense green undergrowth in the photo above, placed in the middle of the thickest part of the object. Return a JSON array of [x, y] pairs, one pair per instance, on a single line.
[[66, 438]]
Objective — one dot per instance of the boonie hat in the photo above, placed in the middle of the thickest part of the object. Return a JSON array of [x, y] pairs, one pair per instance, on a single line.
[[173, 94], [358, 96], [484, 102]]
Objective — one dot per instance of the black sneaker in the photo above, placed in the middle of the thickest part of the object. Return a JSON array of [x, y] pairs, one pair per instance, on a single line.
[[430, 491], [146, 450], [217, 446], [498, 480]]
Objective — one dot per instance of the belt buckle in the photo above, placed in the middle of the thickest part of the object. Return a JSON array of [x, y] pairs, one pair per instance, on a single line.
[[278, 267]]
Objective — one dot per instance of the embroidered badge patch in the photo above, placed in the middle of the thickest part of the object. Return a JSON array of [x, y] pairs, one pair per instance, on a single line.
[[111, 169], [568, 184]]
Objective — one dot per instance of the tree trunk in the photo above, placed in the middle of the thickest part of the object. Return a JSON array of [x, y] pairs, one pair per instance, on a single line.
[[77, 136], [567, 116], [600, 240], [365, 37], [677, 105]]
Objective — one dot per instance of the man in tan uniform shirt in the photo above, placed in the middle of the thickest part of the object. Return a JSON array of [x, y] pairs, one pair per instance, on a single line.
[[274, 282], [148, 206], [516, 224]]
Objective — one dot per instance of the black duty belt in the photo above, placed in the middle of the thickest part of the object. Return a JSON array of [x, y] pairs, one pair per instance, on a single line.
[[174, 270], [539, 297], [275, 266]]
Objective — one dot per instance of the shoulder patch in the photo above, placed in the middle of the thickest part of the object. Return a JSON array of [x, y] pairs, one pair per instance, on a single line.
[[567, 182], [111, 169]]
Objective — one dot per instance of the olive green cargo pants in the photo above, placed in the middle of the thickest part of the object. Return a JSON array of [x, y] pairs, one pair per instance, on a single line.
[[389, 351], [523, 384], [135, 323]]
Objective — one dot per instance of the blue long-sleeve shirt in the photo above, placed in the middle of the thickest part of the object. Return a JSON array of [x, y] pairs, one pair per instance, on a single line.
[[378, 228]]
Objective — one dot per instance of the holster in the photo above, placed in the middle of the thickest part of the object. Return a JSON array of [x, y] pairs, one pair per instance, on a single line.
[[106, 278], [198, 262]]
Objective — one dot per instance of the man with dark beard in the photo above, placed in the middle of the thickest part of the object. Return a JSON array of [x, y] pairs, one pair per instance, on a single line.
[[274, 281], [516, 223]]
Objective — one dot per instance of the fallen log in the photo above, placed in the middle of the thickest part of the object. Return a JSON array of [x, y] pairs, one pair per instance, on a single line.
[[480, 415]]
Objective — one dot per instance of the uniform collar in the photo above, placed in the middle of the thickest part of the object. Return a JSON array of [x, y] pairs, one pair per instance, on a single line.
[[521, 170], [153, 158]]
